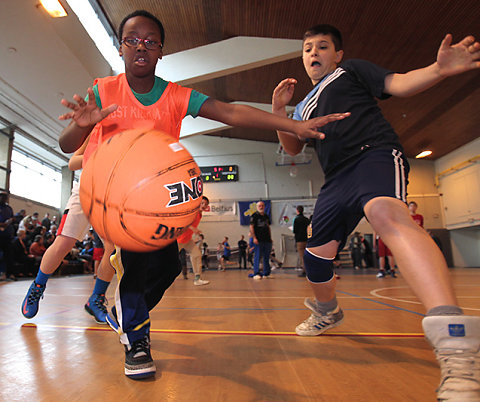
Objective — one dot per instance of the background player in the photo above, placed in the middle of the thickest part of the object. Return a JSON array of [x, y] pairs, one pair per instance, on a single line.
[[73, 227]]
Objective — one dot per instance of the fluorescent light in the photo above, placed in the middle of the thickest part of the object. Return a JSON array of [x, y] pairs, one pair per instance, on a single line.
[[423, 154], [95, 29], [54, 8]]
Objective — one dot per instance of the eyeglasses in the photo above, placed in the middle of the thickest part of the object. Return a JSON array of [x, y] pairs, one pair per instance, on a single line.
[[149, 44]]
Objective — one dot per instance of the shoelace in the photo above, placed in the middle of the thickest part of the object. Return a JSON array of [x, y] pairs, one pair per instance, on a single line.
[[141, 347], [101, 303], [460, 365], [35, 295]]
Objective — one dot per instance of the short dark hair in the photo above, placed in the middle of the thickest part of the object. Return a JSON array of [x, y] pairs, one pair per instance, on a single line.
[[325, 29], [300, 209], [204, 197], [141, 13], [413, 203]]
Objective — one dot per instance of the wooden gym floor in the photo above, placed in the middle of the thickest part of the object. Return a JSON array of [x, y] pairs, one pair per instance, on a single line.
[[232, 340]]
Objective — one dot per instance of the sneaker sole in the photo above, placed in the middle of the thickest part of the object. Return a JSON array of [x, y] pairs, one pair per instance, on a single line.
[[90, 311], [138, 374]]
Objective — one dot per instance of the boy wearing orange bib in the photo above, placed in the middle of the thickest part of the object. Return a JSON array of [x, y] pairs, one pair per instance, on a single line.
[[140, 99]]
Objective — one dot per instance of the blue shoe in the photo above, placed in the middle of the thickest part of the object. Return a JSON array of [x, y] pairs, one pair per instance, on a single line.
[[30, 303], [96, 307]]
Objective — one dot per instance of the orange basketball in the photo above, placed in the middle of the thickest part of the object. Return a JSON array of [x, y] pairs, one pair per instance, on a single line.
[[141, 189]]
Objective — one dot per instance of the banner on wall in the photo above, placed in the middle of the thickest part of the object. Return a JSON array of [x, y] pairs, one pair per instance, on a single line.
[[248, 208], [221, 208], [288, 211]]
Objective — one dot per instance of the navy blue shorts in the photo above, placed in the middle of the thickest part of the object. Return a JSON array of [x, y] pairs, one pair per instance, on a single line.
[[339, 206]]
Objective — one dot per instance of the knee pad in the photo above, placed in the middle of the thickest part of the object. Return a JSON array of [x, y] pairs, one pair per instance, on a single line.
[[318, 269]]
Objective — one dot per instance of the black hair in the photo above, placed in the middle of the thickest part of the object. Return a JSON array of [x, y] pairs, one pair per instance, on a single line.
[[141, 13], [300, 209], [413, 203], [325, 29], [204, 197]]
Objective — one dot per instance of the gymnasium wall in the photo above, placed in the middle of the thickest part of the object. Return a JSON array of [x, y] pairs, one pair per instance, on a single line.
[[17, 203], [464, 167], [259, 178]]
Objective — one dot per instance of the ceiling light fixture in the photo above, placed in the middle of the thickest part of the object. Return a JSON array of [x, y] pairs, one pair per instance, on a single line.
[[423, 154], [54, 8], [96, 30]]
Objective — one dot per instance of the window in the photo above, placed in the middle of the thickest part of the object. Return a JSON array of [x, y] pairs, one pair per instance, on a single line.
[[35, 180]]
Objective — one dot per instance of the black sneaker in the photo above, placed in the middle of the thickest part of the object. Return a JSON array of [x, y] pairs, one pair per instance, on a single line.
[[393, 274], [138, 360]]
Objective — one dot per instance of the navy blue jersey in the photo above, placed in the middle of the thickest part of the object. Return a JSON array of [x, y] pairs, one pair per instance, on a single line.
[[353, 87]]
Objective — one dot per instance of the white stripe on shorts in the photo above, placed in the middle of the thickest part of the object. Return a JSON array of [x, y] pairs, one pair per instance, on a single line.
[[400, 182]]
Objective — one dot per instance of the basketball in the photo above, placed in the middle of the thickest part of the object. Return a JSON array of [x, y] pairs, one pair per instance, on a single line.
[[140, 190]]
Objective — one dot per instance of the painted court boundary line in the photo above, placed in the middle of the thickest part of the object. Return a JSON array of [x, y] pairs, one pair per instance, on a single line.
[[239, 333], [382, 303]]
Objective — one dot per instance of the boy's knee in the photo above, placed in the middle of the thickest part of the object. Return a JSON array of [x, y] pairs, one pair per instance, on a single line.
[[318, 269]]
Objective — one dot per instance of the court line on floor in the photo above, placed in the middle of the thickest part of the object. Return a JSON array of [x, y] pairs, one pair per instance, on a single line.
[[374, 293], [382, 303], [239, 333]]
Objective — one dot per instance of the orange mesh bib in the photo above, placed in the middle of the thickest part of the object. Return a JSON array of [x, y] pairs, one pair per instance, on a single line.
[[166, 114]]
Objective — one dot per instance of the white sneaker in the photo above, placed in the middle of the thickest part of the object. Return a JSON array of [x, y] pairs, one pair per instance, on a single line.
[[200, 282], [456, 340], [318, 323], [257, 277]]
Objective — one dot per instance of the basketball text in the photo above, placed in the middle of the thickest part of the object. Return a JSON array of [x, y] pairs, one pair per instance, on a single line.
[[181, 192], [165, 233]]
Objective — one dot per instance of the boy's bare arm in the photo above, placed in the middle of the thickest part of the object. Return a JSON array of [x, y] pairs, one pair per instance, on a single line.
[[76, 160], [73, 136], [282, 96], [246, 116], [451, 60]]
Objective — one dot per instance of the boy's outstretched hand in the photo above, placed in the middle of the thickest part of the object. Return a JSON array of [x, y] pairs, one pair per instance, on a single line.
[[282, 94], [458, 58], [308, 128], [83, 113]]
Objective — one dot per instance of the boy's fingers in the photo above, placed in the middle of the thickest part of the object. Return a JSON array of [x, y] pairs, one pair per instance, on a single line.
[[446, 42], [91, 96], [320, 135], [69, 104], [321, 121], [109, 109], [66, 116], [79, 100]]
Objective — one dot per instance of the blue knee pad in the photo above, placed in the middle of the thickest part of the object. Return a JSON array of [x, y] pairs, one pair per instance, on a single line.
[[318, 269]]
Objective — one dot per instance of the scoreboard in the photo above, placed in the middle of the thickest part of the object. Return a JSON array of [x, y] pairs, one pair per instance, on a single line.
[[213, 174]]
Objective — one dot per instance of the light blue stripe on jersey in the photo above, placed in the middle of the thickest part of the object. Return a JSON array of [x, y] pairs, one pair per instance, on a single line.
[[297, 115], [305, 108]]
